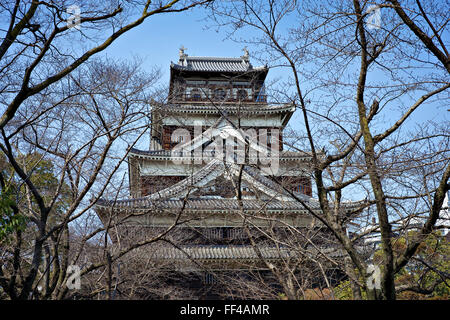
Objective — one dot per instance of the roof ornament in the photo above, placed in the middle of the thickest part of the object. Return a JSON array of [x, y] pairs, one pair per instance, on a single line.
[[183, 55], [245, 57]]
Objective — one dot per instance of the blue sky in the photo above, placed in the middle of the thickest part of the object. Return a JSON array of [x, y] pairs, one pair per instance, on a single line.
[[158, 41], [159, 38]]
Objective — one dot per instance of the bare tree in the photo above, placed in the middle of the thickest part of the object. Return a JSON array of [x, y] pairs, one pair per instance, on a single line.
[[357, 83], [71, 111], [66, 148]]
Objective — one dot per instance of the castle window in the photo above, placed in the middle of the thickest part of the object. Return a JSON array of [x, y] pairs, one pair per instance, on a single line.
[[179, 91], [236, 234], [219, 83], [195, 94], [241, 83], [209, 278], [220, 94], [196, 82], [241, 95], [214, 233]]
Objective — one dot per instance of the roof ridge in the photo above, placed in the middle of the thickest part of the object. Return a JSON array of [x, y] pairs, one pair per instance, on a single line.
[[216, 64], [214, 58]]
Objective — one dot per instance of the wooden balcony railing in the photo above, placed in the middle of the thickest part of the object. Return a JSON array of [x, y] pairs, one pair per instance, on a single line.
[[214, 97]]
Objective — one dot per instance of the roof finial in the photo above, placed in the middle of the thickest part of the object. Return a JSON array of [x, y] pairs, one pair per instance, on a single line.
[[245, 56], [182, 54]]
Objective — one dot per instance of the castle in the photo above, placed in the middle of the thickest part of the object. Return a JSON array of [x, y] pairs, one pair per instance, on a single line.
[[216, 172]]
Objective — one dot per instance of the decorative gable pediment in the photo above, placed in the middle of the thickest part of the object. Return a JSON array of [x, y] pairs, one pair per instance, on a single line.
[[223, 133]]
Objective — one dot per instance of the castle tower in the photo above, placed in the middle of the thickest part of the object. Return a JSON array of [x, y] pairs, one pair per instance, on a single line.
[[216, 159]]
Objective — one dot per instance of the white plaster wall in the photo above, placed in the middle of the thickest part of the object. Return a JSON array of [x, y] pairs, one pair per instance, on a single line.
[[272, 120], [169, 168]]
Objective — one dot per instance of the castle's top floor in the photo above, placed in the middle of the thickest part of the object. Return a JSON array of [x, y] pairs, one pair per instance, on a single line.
[[206, 79]]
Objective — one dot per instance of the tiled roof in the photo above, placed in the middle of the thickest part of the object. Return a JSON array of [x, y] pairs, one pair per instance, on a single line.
[[173, 196], [208, 204], [219, 252], [221, 128], [229, 108], [217, 205], [236, 252], [167, 154], [215, 64], [210, 172]]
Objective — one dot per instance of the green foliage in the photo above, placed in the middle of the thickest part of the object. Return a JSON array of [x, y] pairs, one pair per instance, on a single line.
[[13, 192], [282, 296], [10, 219], [44, 179], [343, 291], [435, 252]]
